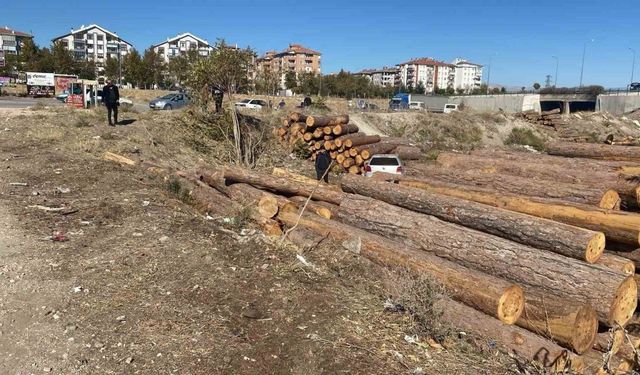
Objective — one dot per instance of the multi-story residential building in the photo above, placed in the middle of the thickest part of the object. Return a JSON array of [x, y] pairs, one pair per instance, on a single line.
[[10, 42], [296, 58], [385, 77], [94, 43], [468, 75], [181, 45], [432, 74]]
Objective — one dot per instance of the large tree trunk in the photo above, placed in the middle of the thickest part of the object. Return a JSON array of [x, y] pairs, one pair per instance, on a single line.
[[367, 151], [359, 141], [540, 233], [599, 197], [574, 326], [617, 263], [408, 152], [281, 172], [487, 293], [632, 255], [566, 172], [613, 295], [340, 140], [617, 226], [315, 121], [283, 185], [594, 151], [266, 203], [344, 129]]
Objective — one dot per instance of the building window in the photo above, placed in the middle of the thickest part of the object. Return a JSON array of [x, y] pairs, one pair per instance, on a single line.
[[183, 44], [100, 47], [161, 50], [100, 36]]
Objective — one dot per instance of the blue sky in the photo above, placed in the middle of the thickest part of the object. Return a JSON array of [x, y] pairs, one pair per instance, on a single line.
[[518, 37]]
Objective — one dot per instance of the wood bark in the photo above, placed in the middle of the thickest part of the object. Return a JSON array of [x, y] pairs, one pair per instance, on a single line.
[[340, 140], [315, 121], [567, 172], [266, 203], [484, 292], [293, 176], [612, 294], [282, 185], [408, 152], [297, 117], [345, 129], [399, 141], [617, 226], [316, 207], [599, 197], [594, 151], [617, 263], [536, 232], [632, 255], [359, 141], [368, 151]]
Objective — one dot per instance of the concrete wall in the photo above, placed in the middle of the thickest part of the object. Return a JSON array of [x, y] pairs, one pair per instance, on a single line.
[[507, 103], [618, 104]]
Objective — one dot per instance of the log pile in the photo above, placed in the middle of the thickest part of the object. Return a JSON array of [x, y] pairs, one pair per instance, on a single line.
[[347, 146], [551, 118]]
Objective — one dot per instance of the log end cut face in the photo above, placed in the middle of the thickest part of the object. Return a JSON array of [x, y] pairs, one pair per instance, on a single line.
[[624, 302], [511, 304], [595, 247], [610, 200], [268, 206], [585, 329], [637, 191]]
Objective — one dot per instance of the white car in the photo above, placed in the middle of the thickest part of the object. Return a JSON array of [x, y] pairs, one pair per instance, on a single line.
[[386, 163], [449, 107], [252, 104]]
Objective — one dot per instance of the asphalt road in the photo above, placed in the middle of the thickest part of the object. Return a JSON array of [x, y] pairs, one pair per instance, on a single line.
[[20, 102]]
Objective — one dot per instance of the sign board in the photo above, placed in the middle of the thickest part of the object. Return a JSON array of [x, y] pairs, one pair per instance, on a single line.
[[75, 101], [5, 80], [63, 84], [40, 79]]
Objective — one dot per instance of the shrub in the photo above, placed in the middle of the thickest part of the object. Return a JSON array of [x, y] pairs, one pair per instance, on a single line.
[[521, 136]]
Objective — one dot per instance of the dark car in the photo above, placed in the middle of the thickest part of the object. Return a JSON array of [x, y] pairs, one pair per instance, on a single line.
[[635, 86]]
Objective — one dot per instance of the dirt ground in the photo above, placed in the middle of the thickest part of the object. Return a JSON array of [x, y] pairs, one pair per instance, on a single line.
[[103, 270]]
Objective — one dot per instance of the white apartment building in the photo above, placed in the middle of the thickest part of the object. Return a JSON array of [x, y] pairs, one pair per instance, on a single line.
[[468, 76], [385, 77], [433, 74], [94, 43], [10, 42], [182, 44]]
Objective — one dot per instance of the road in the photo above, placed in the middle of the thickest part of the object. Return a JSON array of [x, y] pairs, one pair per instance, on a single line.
[[21, 102]]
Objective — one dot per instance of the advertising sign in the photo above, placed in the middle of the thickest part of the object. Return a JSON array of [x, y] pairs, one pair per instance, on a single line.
[[62, 84], [75, 101], [40, 84]]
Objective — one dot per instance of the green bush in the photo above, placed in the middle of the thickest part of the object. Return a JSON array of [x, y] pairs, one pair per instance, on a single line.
[[521, 136]]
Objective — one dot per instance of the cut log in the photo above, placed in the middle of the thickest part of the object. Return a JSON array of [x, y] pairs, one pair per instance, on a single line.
[[268, 206], [348, 162], [613, 295], [536, 232], [307, 136], [632, 255], [340, 158], [354, 169], [484, 292], [617, 226], [315, 207], [398, 141], [574, 326], [358, 159], [327, 130], [333, 155], [318, 133], [281, 172], [368, 151], [317, 190], [510, 338], [359, 141], [610, 341], [566, 172], [345, 129], [594, 151], [353, 152], [599, 197], [408, 152], [122, 160], [617, 263], [315, 121], [297, 117], [340, 140], [266, 203]]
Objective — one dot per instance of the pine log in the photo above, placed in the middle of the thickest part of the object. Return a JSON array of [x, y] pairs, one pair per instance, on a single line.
[[617, 263], [573, 326], [315, 121], [340, 140], [354, 169], [327, 137], [281, 172], [610, 341], [323, 210], [632, 255], [617, 226], [340, 158], [594, 151], [408, 152], [358, 159], [510, 338], [398, 141], [297, 117], [333, 155], [327, 145], [368, 151], [327, 130], [533, 169], [612, 294], [307, 136], [122, 160], [345, 129], [281, 185], [267, 204], [353, 152], [599, 197], [484, 292], [318, 133], [536, 232]]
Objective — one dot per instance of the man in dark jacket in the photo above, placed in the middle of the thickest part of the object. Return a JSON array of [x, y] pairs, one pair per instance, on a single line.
[[323, 162], [110, 97], [218, 94]]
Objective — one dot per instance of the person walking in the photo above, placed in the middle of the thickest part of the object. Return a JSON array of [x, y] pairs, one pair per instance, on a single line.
[[323, 162], [110, 98], [218, 95]]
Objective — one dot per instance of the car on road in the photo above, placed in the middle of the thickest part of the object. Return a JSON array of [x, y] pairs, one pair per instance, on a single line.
[[635, 86], [170, 101], [252, 104], [450, 107], [384, 163]]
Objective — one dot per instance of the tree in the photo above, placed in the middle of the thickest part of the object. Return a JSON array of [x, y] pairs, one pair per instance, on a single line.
[[178, 67], [267, 82], [63, 59], [112, 69], [30, 57], [536, 86], [450, 90], [152, 68], [503, 90], [132, 68], [420, 89], [86, 70], [290, 80]]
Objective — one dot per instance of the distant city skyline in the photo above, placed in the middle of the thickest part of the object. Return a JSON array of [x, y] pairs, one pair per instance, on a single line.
[[516, 39]]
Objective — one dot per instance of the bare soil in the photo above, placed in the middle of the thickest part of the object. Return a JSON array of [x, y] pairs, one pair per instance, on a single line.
[[103, 270]]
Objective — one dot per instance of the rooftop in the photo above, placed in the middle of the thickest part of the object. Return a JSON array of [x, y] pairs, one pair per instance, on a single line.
[[293, 49], [7, 31], [180, 36], [427, 61], [84, 28]]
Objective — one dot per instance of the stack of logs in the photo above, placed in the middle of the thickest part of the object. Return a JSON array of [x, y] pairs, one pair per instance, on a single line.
[[344, 143], [551, 118], [533, 249]]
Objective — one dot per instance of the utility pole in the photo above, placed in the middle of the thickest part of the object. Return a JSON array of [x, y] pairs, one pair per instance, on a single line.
[[555, 78], [633, 63], [489, 73], [584, 51], [119, 64], [547, 81]]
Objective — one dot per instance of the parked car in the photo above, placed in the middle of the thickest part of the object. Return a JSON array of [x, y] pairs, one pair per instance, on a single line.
[[416, 105], [635, 86], [449, 107], [252, 104], [386, 163], [170, 101]]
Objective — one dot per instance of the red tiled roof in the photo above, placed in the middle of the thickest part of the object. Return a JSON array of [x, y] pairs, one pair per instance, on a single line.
[[427, 61], [299, 48], [7, 31]]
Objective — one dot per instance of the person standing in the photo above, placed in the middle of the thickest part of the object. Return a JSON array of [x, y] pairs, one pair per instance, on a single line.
[[110, 98], [323, 162], [218, 94]]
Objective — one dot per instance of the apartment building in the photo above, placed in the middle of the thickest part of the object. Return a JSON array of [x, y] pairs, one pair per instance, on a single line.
[[10, 42], [468, 75], [94, 43], [296, 58], [181, 45], [385, 77], [433, 74]]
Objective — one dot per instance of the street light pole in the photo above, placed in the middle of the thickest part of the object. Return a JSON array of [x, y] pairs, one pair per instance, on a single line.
[[633, 63], [555, 78], [489, 73], [119, 65], [584, 51]]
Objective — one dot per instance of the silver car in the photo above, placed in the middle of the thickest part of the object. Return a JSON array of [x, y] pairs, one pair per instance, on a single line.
[[170, 101]]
